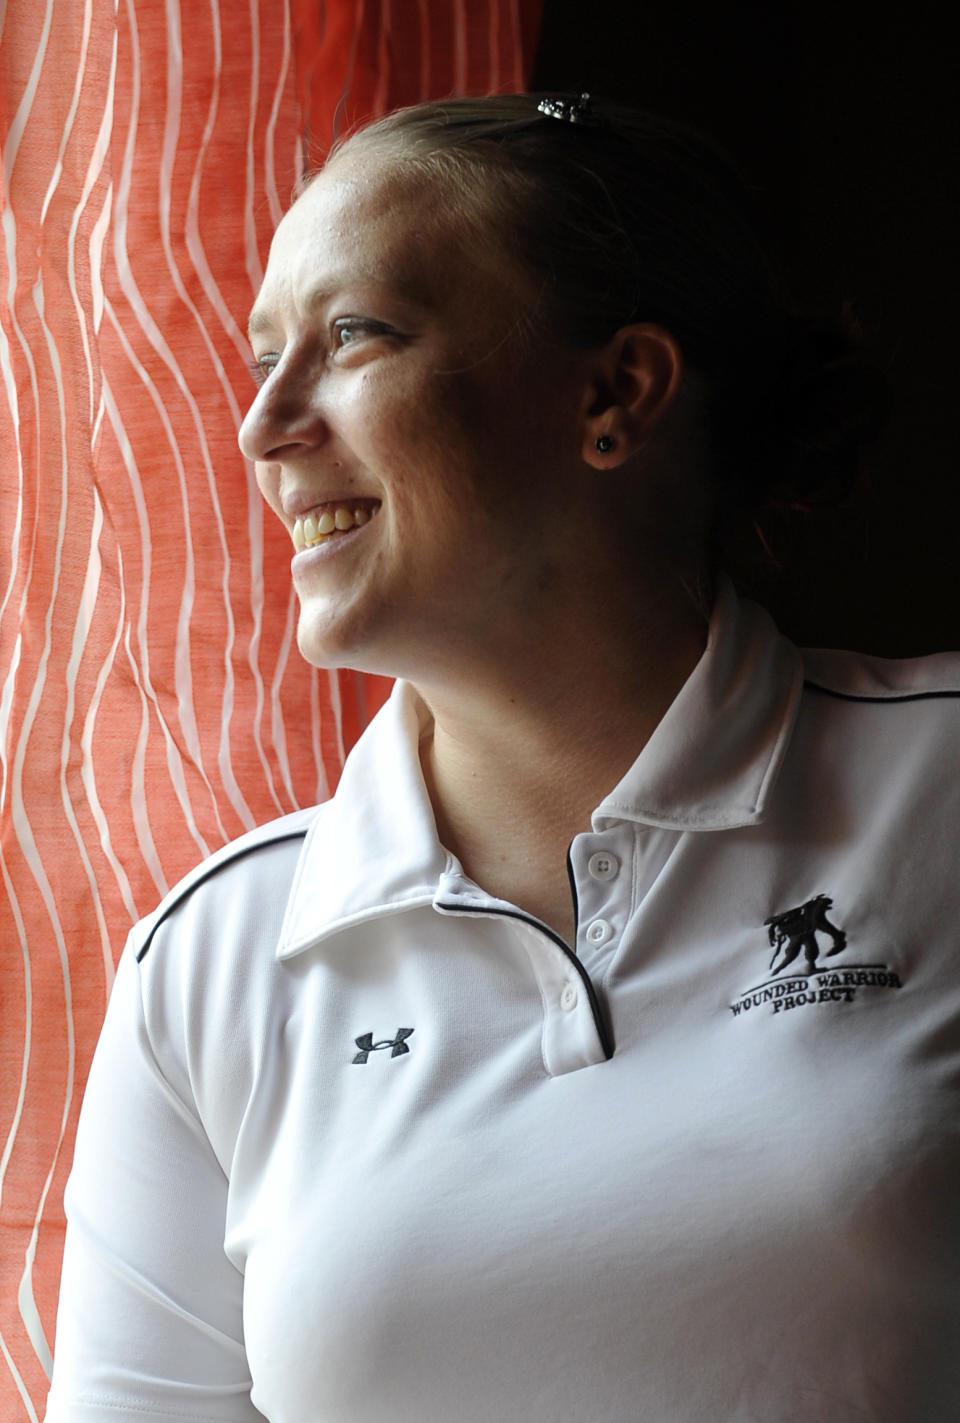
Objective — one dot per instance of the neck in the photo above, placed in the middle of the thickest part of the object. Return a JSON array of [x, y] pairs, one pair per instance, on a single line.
[[520, 753]]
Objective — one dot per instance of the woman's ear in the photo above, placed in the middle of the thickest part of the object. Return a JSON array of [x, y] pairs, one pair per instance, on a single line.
[[637, 377]]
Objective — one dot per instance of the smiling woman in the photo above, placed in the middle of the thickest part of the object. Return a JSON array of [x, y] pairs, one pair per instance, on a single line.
[[476, 1092], [437, 409]]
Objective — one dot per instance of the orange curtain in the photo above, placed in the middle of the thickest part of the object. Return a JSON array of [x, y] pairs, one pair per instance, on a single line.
[[153, 703]]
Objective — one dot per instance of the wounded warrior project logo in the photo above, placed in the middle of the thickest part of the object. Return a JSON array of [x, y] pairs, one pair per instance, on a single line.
[[806, 932]]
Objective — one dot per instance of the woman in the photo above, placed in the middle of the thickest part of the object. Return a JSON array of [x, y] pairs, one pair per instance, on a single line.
[[595, 1052]]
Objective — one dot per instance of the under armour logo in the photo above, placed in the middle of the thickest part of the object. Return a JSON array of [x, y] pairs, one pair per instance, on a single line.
[[366, 1044], [796, 930]]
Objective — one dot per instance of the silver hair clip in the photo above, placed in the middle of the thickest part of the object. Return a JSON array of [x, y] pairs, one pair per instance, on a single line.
[[571, 111]]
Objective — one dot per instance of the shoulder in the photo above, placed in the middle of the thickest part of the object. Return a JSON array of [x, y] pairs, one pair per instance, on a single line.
[[858, 678], [884, 728], [251, 874]]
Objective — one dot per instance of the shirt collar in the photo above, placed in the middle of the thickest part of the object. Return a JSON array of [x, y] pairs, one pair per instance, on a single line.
[[372, 849], [710, 765], [712, 762]]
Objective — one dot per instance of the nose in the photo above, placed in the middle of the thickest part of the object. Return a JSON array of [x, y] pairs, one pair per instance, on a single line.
[[284, 418]]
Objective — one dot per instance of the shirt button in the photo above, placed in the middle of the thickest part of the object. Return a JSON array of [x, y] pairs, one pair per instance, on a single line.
[[603, 865], [599, 931], [568, 998]]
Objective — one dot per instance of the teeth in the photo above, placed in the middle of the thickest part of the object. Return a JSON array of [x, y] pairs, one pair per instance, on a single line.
[[312, 529]]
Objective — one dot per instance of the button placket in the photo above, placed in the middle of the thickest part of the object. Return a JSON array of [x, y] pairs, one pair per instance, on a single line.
[[600, 863], [575, 1034]]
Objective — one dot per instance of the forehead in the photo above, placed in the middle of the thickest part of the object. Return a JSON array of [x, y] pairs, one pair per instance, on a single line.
[[367, 220]]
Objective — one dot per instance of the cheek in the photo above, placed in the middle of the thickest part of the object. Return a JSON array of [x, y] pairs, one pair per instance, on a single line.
[[408, 434]]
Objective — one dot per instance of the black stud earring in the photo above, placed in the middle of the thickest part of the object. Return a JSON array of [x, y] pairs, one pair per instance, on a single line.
[[604, 444]]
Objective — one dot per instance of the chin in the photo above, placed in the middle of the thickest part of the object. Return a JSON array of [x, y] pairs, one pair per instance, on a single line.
[[324, 653], [338, 643]]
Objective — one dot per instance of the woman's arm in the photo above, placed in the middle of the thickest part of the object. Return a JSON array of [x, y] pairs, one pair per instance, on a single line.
[[150, 1319]]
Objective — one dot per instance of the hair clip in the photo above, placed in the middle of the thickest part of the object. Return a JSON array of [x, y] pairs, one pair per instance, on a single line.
[[571, 111]]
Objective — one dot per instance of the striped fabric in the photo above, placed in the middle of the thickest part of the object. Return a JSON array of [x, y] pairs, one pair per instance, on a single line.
[[153, 703]]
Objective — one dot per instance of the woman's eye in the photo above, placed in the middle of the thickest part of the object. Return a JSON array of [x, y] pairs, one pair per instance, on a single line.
[[348, 330], [263, 365]]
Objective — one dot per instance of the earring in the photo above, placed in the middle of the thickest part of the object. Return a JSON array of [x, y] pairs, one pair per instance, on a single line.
[[604, 444]]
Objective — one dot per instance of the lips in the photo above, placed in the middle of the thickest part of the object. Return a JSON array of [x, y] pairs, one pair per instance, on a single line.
[[328, 520]]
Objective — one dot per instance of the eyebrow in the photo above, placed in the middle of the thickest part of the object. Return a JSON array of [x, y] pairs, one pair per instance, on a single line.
[[407, 292], [259, 321]]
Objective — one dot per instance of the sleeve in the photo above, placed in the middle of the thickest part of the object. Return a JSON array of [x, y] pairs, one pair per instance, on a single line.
[[149, 1326]]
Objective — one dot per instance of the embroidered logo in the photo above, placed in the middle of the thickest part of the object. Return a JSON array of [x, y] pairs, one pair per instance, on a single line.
[[366, 1044], [795, 932], [797, 929]]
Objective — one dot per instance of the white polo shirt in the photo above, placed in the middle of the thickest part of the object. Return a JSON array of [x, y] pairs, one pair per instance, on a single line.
[[363, 1143]]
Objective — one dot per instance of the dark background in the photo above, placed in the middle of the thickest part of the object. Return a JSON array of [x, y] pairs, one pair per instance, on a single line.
[[846, 120]]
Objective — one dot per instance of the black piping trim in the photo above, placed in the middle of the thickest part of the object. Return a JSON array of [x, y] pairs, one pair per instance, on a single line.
[[209, 874], [573, 892], [606, 1036], [897, 697]]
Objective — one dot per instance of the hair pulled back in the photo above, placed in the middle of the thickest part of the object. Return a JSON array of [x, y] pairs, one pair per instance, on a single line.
[[629, 216]]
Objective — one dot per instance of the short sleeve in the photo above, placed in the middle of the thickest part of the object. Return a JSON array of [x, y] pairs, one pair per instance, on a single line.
[[149, 1325]]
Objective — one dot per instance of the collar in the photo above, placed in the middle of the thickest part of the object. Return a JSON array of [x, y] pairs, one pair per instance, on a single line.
[[712, 762], [710, 765]]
